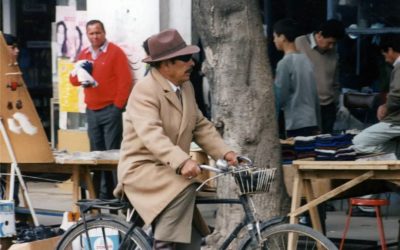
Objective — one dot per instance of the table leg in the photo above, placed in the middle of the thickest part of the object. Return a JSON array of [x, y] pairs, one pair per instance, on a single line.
[[316, 222], [296, 199], [75, 187], [7, 192], [89, 183], [296, 196]]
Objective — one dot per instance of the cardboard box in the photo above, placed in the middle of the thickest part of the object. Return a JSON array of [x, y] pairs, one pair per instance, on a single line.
[[45, 244], [73, 140]]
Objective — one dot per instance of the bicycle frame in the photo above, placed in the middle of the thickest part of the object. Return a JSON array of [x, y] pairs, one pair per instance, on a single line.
[[249, 220]]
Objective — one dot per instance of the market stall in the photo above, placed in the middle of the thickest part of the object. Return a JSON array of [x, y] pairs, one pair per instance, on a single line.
[[354, 172]]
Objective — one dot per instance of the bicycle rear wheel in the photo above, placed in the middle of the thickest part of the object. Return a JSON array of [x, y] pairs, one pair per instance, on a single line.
[[105, 232], [277, 237]]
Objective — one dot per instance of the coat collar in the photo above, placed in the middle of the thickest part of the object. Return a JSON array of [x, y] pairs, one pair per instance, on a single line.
[[173, 98], [168, 93]]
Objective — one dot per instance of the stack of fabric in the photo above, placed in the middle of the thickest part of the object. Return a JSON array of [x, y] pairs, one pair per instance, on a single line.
[[334, 148], [288, 152], [305, 146]]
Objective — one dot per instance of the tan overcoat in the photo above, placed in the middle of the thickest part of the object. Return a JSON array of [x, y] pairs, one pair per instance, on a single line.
[[156, 140]]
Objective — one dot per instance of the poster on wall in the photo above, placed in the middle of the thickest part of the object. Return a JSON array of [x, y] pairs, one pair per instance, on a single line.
[[80, 39], [65, 34], [70, 39], [68, 94]]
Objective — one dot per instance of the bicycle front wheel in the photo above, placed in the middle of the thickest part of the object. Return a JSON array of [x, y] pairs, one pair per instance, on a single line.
[[104, 233], [289, 236]]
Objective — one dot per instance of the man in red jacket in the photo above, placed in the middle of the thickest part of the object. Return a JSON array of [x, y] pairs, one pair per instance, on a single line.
[[105, 96]]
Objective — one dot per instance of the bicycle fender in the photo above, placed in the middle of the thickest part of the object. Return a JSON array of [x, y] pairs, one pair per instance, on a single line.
[[92, 218], [273, 221]]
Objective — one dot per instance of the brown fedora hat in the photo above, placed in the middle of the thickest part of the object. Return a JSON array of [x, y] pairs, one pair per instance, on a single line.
[[166, 45]]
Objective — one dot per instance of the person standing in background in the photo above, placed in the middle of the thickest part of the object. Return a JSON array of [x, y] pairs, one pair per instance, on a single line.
[[320, 48], [106, 100], [295, 87]]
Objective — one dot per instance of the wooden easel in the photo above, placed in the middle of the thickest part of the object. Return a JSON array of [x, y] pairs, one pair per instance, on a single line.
[[27, 148]]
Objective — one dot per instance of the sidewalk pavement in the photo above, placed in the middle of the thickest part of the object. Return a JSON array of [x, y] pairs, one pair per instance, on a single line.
[[55, 197]]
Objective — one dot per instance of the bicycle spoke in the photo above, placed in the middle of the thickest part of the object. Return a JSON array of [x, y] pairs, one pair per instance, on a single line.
[[104, 234], [104, 238]]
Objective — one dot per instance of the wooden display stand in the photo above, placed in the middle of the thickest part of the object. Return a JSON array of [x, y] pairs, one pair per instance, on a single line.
[[352, 173], [15, 99]]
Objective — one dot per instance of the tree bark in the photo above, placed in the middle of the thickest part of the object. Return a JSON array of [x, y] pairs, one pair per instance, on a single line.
[[242, 99]]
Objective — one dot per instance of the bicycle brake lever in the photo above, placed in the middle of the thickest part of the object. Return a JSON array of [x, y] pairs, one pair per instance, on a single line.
[[222, 165], [245, 159]]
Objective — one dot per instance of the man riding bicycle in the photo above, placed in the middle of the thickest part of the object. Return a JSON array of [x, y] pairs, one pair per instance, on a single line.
[[162, 119]]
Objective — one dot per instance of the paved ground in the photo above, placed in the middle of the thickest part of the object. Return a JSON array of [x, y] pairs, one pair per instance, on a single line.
[[52, 196]]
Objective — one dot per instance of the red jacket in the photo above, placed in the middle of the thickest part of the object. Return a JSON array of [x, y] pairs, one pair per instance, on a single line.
[[112, 72]]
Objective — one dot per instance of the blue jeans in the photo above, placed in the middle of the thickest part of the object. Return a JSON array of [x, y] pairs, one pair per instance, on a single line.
[[380, 137]]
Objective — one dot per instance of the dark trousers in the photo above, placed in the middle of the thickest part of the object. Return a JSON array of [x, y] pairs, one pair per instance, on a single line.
[[328, 117], [105, 133]]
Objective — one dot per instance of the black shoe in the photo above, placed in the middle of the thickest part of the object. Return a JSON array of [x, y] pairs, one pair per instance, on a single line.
[[163, 245], [305, 220]]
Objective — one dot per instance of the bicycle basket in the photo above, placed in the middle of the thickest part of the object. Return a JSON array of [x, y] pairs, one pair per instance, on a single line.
[[254, 180]]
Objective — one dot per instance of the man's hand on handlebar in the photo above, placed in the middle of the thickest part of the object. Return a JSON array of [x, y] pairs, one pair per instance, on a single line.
[[231, 158], [190, 169]]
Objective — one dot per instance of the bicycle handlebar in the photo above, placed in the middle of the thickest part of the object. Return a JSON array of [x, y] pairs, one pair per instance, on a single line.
[[210, 168], [222, 166]]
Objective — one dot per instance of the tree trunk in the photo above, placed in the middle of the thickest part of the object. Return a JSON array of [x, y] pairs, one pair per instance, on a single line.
[[242, 99]]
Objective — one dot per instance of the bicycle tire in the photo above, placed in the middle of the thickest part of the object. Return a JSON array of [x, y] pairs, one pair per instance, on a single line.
[[275, 237], [115, 229]]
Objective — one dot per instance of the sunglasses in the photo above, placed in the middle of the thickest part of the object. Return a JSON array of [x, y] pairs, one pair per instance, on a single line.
[[184, 58]]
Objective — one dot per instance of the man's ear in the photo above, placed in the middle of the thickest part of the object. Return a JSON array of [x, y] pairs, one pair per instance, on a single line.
[[163, 64]]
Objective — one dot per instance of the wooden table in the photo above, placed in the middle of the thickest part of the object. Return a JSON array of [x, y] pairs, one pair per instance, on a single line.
[[354, 171], [78, 168]]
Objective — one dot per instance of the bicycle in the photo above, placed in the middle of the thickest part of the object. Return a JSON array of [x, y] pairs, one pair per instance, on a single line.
[[275, 233]]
